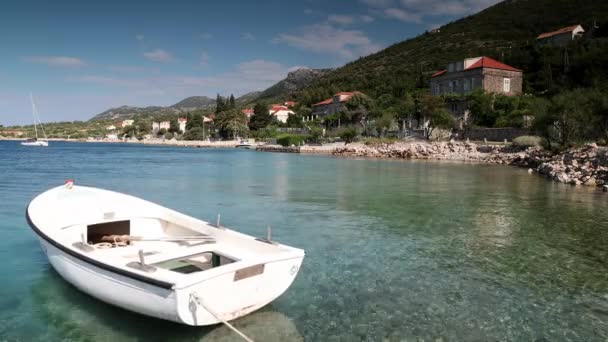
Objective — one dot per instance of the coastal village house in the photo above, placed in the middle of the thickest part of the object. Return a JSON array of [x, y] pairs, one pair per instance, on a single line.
[[281, 112], [126, 123], [181, 122], [561, 37], [111, 128], [157, 126], [465, 76], [330, 106], [248, 112]]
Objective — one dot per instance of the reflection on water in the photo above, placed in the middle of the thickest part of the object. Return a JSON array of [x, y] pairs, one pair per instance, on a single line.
[[396, 250], [76, 316]]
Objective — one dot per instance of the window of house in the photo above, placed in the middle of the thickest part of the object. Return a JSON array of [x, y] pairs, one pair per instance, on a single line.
[[437, 92], [506, 85], [466, 85], [472, 83], [454, 107]]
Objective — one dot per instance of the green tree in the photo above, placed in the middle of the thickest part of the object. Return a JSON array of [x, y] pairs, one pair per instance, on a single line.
[[231, 102], [294, 121], [173, 126], [433, 110], [231, 123], [261, 118], [195, 119], [220, 104]]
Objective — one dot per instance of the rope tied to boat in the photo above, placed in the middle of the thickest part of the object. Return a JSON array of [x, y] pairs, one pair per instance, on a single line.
[[195, 301]]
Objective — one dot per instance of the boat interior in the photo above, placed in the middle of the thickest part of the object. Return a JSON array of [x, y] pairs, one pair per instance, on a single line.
[[149, 244]]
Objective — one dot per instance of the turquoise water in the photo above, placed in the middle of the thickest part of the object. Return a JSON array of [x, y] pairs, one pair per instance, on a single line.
[[396, 250]]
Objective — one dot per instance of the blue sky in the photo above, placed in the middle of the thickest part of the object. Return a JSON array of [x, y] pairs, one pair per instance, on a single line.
[[80, 57]]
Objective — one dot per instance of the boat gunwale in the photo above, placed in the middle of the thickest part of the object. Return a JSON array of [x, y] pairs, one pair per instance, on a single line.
[[96, 263]]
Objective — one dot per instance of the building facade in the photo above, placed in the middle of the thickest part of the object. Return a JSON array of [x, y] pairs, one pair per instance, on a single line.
[[280, 112], [181, 122], [331, 106], [483, 73]]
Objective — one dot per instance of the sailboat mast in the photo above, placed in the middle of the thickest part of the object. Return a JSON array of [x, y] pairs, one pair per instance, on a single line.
[[34, 114]]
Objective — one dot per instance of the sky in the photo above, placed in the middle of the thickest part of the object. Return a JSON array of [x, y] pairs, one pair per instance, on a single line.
[[82, 57]]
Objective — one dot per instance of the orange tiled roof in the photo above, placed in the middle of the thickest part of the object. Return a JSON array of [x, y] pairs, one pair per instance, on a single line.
[[560, 31]]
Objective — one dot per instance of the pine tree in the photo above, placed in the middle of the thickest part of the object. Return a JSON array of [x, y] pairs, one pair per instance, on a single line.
[[260, 118], [232, 103], [220, 105]]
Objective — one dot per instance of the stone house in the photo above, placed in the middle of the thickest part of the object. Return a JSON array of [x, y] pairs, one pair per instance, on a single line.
[[561, 37], [331, 106], [484, 73]]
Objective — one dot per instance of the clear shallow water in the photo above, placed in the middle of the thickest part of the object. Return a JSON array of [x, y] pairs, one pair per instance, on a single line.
[[396, 250]]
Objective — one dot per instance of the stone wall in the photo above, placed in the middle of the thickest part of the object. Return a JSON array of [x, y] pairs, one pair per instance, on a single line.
[[493, 81], [493, 134]]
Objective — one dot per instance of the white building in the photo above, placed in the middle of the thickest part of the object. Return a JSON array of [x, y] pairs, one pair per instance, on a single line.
[[126, 123], [562, 36], [155, 127], [165, 124], [280, 112], [182, 124], [111, 128]]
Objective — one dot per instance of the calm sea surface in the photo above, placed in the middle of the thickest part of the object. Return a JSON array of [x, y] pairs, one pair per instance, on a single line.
[[396, 250]]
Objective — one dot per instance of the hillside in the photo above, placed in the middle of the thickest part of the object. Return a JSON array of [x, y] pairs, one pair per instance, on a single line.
[[125, 112], [295, 81], [194, 102], [500, 31]]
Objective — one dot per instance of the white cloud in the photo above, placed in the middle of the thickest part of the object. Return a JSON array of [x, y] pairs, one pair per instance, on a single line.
[[340, 19], [452, 8], [366, 18], [56, 61], [324, 38], [204, 59], [403, 15], [139, 37], [158, 55], [248, 36], [244, 77]]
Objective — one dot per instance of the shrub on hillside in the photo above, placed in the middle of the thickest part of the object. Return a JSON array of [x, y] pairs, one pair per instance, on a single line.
[[348, 135], [195, 133], [528, 141], [291, 139]]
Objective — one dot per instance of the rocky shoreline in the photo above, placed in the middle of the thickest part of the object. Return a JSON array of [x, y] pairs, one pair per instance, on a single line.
[[582, 166]]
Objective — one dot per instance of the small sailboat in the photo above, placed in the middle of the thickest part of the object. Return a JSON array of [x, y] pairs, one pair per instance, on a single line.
[[155, 261], [35, 141]]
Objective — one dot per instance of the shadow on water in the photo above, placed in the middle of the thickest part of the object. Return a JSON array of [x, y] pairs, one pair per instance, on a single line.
[[77, 316]]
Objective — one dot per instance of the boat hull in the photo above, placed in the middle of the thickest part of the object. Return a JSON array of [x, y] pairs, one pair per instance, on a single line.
[[226, 299], [35, 143]]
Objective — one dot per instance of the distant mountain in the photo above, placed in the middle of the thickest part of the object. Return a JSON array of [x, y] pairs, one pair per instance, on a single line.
[[296, 80], [195, 102], [185, 105], [125, 112], [248, 98]]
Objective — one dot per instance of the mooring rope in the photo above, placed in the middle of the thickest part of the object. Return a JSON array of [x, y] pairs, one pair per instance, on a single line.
[[198, 301]]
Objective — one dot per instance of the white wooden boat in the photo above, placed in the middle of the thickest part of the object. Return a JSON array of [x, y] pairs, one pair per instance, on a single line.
[[155, 261], [35, 141]]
